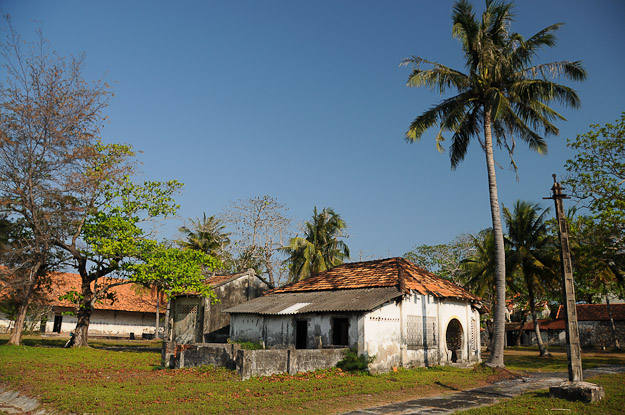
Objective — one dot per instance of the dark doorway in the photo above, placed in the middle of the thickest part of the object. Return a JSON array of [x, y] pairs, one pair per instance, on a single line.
[[58, 319], [301, 334], [453, 337], [340, 332]]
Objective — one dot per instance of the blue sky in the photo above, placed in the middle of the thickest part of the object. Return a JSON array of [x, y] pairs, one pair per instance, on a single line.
[[305, 101]]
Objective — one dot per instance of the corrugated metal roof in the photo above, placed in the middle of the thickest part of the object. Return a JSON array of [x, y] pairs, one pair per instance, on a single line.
[[363, 299]]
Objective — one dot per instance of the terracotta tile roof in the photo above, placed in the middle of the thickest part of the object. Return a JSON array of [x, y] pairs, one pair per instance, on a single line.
[[128, 298], [544, 324], [391, 272], [217, 280], [596, 312]]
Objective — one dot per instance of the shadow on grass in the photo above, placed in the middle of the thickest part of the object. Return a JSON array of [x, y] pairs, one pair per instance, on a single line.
[[446, 386], [110, 345]]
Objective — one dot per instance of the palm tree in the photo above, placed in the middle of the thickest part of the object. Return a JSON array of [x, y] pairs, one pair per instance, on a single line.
[[533, 256], [206, 235], [479, 271], [503, 94], [320, 248]]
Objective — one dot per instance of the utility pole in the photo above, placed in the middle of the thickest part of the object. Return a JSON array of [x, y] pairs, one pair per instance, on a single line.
[[573, 349]]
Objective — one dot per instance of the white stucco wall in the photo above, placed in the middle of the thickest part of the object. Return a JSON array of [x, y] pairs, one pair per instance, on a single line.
[[385, 332], [279, 331], [5, 323], [110, 322]]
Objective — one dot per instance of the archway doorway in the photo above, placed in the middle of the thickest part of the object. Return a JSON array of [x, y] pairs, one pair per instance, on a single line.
[[453, 338]]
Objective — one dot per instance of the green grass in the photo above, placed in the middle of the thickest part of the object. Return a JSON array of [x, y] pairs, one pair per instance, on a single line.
[[99, 380], [539, 402], [526, 359], [126, 376]]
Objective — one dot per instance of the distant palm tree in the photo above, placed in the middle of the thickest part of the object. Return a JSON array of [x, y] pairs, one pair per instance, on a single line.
[[320, 248], [206, 235], [502, 94], [533, 256]]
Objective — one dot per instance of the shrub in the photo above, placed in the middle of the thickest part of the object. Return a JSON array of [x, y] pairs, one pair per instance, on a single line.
[[247, 345], [353, 363]]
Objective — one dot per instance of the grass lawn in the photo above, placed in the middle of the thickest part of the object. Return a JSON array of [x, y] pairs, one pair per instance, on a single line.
[[539, 402], [123, 377]]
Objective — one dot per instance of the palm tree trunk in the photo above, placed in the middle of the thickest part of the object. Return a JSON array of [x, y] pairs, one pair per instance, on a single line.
[[539, 340], [615, 342], [517, 341], [499, 332]]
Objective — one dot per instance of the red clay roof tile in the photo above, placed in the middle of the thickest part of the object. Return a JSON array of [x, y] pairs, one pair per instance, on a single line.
[[388, 272], [128, 296], [596, 312]]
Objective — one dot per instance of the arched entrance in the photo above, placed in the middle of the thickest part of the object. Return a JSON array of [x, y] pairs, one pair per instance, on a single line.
[[453, 338]]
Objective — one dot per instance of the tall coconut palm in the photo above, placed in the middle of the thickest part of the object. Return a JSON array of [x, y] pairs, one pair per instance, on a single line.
[[533, 256], [320, 248], [205, 234], [502, 95]]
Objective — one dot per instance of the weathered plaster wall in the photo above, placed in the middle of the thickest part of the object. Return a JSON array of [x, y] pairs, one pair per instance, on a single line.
[[109, 322], [200, 354], [278, 332], [386, 332], [268, 362], [599, 333], [382, 337], [235, 292], [5, 323]]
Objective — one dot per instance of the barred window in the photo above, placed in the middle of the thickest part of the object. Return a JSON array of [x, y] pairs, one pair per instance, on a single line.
[[421, 332], [473, 336]]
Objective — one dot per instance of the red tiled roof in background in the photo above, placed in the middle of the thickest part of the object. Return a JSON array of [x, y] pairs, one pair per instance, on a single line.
[[380, 273], [544, 324], [596, 312], [128, 297]]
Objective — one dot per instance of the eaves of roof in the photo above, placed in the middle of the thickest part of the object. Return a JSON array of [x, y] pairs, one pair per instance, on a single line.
[[354, 300]]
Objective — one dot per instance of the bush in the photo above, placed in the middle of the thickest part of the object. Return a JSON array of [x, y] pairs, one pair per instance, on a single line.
[[353, 363], [247, 345]]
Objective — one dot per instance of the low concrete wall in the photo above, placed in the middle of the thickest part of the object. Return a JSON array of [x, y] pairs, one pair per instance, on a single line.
[[176, 356], [268, 362], [249, 363], [262, 362]]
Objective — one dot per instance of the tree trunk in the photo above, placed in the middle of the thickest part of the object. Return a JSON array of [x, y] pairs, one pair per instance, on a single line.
[[517, 341], [499, 313], [539, 340], [158, 316], [81, 332], [16, 336], [615, 342]]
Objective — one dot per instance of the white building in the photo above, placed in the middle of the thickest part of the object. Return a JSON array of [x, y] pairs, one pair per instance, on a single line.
[[132, 311], [391, 309]]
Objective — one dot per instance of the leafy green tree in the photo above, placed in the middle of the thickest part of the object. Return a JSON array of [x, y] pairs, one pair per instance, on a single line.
[[110, 237], [320, 248], [598, 174], [49, 118], [599, 273], [597, 181], [532, 255], [503, 95], [444, 260]]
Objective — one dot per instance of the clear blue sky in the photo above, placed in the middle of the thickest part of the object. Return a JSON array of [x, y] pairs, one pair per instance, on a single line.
[[305, 101]]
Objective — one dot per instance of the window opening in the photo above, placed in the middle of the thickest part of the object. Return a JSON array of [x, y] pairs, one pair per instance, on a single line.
[[340, 332], [301, 334]]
